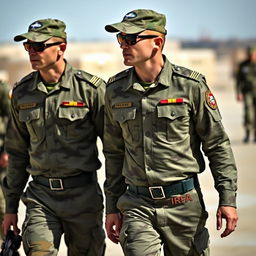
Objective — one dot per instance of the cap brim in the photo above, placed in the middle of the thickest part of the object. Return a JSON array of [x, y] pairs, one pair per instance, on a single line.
[[33, 36], [123, 27]]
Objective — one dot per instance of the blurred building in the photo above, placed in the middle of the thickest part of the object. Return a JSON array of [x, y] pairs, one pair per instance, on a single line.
[[105, 59]]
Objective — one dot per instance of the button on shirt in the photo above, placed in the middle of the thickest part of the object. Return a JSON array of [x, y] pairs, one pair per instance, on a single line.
[[154, 136]]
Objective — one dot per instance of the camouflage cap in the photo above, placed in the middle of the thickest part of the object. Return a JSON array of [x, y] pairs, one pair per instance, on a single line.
[[139, 20], [251, 49], [42, 30]]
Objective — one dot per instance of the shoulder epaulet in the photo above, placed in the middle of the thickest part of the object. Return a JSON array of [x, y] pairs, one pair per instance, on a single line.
[[118, 76], [92, 79], [24, 79], [188, 73]]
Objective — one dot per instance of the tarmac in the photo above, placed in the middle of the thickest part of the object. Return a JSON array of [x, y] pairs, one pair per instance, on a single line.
[[242, 242]]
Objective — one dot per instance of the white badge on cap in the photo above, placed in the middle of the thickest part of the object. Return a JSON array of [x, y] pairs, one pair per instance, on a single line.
[[130, 15], [35, 25]]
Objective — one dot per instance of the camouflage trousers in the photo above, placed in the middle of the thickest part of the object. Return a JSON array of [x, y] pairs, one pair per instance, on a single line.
[[250, 111], [76, 213], [177, 224]]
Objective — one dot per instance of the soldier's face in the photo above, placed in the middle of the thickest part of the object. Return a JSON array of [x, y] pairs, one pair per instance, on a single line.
[[139, 53], [47, 58]]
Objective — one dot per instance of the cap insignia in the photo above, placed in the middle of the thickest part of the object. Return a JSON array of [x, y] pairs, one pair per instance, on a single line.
[[35, 25], [130, 15]]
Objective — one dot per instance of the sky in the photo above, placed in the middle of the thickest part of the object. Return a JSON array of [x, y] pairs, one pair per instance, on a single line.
[[85, 20]]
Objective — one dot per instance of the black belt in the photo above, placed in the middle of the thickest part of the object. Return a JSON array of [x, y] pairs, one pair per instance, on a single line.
[[55, 183], [162, 192]]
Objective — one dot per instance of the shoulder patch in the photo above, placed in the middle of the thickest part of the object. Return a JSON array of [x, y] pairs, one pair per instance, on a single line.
[[210, 100], [94, 80], [118, 76], [191, 74]]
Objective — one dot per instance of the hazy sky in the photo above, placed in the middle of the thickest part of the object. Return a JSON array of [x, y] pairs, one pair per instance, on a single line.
[[85, 20]]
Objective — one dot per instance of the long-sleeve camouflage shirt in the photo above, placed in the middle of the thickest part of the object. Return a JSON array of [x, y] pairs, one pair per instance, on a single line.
[[155, 136], [53, 133], [246, 77], [4, 112]]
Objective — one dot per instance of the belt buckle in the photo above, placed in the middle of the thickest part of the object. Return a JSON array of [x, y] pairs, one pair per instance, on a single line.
[[159, 189], [52, 185]]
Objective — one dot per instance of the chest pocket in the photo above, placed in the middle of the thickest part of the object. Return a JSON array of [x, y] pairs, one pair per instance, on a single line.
[[34, 123], [126, 118], [173, 122], [72, 120]]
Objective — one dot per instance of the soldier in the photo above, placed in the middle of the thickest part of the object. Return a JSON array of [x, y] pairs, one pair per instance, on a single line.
[[158, 117], [4, 111], [246, 92], [56, 116]]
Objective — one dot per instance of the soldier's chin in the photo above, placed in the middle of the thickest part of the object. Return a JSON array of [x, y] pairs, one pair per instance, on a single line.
[[128, 63]]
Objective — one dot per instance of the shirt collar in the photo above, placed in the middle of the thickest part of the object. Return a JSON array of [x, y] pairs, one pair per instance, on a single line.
[[164, 77], [64, 81]]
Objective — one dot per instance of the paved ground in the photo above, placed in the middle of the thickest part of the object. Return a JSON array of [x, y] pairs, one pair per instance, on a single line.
[[243, 241]]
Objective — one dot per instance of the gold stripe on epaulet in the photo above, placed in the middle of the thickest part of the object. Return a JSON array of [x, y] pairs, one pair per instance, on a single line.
[[194, 75], [111, 79], [95, 80]]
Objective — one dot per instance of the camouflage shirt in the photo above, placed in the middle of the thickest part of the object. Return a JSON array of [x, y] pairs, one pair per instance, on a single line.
[[4, 111], [53, 134], [155, 136], [246, 77]]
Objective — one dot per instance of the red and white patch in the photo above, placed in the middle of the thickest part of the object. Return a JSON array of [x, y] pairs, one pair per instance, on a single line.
[[211, 102]]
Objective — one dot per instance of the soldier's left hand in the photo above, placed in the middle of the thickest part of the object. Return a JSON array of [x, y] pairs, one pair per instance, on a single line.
[[4, 160], [230, 215]]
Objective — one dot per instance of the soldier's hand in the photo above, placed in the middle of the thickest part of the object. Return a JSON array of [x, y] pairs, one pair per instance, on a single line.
[[113, 226], [10, 219], [230, 215], [4, 160]]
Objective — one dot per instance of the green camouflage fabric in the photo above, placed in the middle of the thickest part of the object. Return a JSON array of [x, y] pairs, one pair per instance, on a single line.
[[4, 111], [42, 30], [246, 85], [139, 20], [53, 134], [154, 137], [246, 77]]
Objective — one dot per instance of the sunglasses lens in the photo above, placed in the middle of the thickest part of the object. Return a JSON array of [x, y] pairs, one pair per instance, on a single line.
[[37, 47], [129, 39]]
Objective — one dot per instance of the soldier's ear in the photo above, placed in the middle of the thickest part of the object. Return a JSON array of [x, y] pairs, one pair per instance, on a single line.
[[158, 42], [63, 47]]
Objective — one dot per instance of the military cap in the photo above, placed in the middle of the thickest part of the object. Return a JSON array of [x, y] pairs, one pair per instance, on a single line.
[[42, 30], [251, 49], [139, 20]]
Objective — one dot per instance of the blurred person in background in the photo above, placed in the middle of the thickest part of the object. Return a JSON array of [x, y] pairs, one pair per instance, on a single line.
[[158, 118], [246, 92], [56, 116], [4, 113]]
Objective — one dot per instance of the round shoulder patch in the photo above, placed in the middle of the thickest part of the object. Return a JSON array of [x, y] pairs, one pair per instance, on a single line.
[[210, 100]]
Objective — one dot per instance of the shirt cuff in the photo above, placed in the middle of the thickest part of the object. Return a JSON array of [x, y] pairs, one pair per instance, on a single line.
[[228, 198]]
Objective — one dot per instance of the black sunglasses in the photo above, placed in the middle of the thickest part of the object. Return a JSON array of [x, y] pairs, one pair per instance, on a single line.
[[131, 39], [38, 46]]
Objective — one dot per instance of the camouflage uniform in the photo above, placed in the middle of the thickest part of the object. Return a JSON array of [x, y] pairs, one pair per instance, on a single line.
[[52, 137], [4, 111], [246, 85], [152, 143]]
